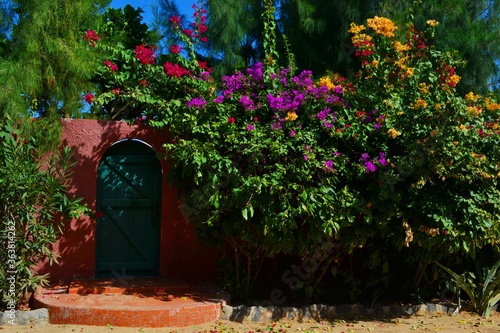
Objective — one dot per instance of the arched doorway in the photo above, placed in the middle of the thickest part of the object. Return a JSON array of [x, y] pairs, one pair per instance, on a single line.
[[128, 201]]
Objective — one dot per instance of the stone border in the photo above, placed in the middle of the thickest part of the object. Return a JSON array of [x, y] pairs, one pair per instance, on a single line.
[[243, 314], [33, 317]]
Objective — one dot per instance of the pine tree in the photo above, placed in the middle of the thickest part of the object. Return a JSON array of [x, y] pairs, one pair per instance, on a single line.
[[236, 32], [317, 31], [48, 66]]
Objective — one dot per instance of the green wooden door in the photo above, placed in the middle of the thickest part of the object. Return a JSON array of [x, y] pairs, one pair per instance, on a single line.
[[128, 196]]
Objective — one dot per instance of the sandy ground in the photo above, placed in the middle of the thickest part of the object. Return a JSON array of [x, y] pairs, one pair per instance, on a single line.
[[463, 322]]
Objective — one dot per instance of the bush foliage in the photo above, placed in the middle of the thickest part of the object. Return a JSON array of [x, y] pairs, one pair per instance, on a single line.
[[34, 202], [393, 165]]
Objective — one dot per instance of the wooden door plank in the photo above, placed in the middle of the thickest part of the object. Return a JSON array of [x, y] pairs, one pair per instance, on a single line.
[[129, 235]]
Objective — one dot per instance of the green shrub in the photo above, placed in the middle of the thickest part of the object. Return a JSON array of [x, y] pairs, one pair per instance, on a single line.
[[33, 204], [271, 162], [483, 293]]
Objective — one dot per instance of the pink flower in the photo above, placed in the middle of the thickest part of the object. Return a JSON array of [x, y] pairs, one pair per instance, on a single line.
[[203, 64], [175, 20], [202, 28], [89, 98], [144, 83], [146, 55], [231, 120], [175, 49], [174, 70], [91, 36], [188, 32], [111, 65], [116, 91]]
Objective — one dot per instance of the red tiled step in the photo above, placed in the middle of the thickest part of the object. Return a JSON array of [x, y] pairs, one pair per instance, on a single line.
[[179, 305], [103, 286]]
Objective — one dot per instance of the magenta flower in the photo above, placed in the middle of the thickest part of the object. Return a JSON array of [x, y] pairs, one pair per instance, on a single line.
[[382, 160], [323, 114], [327, 124], [256, 71], [368, 163], [276, 125], [328, 165], [197, 103], [365, 157], [369, 167], [250, 127], [247, 103]]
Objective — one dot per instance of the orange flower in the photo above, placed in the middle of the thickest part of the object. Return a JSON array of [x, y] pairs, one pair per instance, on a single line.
[[432, 23], [382, 26], [356, 29], [291, 116], [393, 133]]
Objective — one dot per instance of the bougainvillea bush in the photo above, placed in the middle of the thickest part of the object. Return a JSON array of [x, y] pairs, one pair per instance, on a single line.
[[138, 83], [439, 194], [272, 163]]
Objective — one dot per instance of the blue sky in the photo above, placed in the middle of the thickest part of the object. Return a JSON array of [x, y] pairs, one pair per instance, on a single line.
[[184, 7]]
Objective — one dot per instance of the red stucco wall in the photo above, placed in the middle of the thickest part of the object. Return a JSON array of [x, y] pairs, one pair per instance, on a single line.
[[181, 254]]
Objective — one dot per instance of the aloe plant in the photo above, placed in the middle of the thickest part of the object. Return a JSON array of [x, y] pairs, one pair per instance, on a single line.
[[486, 295]]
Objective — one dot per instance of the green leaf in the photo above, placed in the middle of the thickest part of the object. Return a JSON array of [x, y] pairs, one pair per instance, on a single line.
[[462, 284], [493, 299]]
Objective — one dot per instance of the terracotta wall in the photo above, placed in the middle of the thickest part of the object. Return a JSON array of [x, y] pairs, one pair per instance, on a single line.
[[181, 254]]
